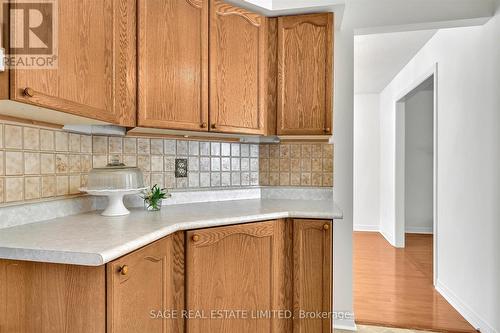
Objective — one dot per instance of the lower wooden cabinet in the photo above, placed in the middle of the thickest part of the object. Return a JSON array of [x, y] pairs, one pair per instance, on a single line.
[[40, 297], [277, 273], [273, 276], [236, 268], [144, 286], [312, 275]]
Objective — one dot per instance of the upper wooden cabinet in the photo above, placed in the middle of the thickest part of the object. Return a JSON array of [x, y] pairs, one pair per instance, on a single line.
[[312, 274], [173, 64], [236, 267], [305, 74], [96, 73], [149, 279], [239, 60]]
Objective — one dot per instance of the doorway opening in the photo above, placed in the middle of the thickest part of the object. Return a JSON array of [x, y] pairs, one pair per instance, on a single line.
[[416, 165]]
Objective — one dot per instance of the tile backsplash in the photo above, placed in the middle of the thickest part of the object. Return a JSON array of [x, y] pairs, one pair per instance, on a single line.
[[296, 164], [39, 162]]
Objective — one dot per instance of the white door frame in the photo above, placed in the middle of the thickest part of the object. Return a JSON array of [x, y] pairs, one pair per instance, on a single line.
[[399, 167]]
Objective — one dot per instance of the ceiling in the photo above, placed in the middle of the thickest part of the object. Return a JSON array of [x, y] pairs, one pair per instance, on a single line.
[[378, 58], [388, 32]]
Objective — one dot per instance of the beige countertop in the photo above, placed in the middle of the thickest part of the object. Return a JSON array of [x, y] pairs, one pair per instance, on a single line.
[[92, 240]]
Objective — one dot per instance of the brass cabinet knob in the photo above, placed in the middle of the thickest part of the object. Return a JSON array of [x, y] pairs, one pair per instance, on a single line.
[[29, 92], [123, 270], [327, 130], [203, 125], [213, 126], [195, 238], [326, 226]]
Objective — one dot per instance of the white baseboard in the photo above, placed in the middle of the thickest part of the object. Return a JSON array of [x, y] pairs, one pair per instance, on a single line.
[[470, 315], [388, 238], [367, 228], [419, 230], [344, 324]]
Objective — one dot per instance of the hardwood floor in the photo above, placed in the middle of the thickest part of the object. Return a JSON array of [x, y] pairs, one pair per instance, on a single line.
[[393, 287]]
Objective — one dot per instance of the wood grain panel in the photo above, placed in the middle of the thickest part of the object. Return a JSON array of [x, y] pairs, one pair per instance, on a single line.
[[312, 258], [154, 281], [43, 298], [305, 74], [173, 64], [238, 70], [236, 268], [96, 74]]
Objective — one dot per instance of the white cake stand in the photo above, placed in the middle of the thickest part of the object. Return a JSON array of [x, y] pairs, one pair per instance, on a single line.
[[115, 200]]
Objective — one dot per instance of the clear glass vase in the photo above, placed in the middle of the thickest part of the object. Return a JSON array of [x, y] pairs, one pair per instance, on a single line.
[[152, 207]]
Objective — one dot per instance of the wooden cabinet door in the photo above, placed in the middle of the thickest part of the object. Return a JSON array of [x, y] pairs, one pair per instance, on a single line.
[[41, 297], [173, 64], [238, 267], [149, 279], [312, 274], [95, 77], [305, 67], [238, 69]]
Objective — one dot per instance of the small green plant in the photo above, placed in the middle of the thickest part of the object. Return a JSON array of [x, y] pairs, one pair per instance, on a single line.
[[153, 197]]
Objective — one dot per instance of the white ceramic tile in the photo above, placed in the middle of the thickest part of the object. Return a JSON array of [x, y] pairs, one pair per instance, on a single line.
[[31, 138], [62, 141], [254, 150], [170, 147], [14, 189], [194, 148], [143, 146], [235, 149], [86, 143], [194, 179], [235, 164], [225, 179], [215, 179], [215, 164], [99, 144], [31, 163], [235, 179], [181, 182], [157, 163], [226, 164], [62, 185], [205, 148], [13, 137], [245, 164], [182, 148], [2, 169], [169, 163], [215, 148], [245, 150], [193, 163], [225, 149], [157, 146], [74, 143], [62, 163], [205, 179], [130, 146], [204, 163], [14, 164], [115, 145]]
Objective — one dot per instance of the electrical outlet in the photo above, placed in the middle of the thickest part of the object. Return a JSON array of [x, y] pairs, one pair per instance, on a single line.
[[181, 167]]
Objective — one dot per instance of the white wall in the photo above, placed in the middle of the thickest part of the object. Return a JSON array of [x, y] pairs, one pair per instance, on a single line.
[[366, 162], [468, 176], [419, 112], [343, 174]]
